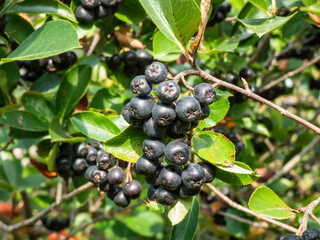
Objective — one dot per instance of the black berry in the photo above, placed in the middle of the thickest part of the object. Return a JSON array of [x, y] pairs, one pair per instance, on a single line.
[[141, 107], [104, 161], [89, 4], [116, 176], [80, 150], [210, 171], [170, 177], [92, 155], [177, 152], [168, 91], [153, 148], [132, 189], [121, 199], [145, 166], [144, 58], [193, 176], [114, 61], [152, 129], [156, 72], [188, 109], [311, 234], [166, 197], [139, 85], [130, 58], [186, 192], [204, 93], [84, 16], [247, 74], [163, 114], [79, 165], [291, 237]]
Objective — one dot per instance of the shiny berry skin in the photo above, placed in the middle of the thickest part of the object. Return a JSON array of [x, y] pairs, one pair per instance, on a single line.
[[80, 150], [204, 112], [210, 171], [153, 148], [311, 234], [92, 155], [103, 12], [168, 91], [291, 237], [139, 85], [163, 114], [193, 176], [144, 58], [95, 144], [79, 165], [170, 177], [177, 152], [121, 199], [154, 178], [108, 3], [104, 161], [204, 93], [166, 197], [186, 192], [152, 129], [63, 163], [89, 172], [99, 176], [188, 109], [232, 78], [130, 58], [114, 62], [84, 16], [156, 72], [141, 107], [180, 127], [225, 7], [113, 191], [132, 189], [145, 166], [246, 73], [116, 176], [89, 4], [152, 192], [72, 58]]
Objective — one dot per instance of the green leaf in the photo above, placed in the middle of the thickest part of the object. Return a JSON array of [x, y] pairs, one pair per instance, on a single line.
[[44, 42], [18, 28], [127, 144], [53, 154], [225, 44], [261, 4], [30, 181], [218, 110], [104, 99], [177, 20], [95, 125], [23, 134], [145, 223], [186, 229], [47, 83], [12, 167], [253, 125], [130, 12], [36, 104], [47, 7], [237, 174], [265, 202], [214, 148], [7, 6], [315, 8], [180, 210], [162, 46], [264, 25], [57, 134], [73, 86], [23, 120]]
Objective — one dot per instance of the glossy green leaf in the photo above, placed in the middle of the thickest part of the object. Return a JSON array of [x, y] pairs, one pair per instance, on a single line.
[[162, 46], [18, 28], [262, 4], [47, 6], [177, 20], [44, 42], [236, 174], [186, 229], [265, 202], [225, 44], [218, 110], [47, 83], [131, 11], [145, 223], [315, 8], [7, 6], [214, 148], [178, 212], [36, 104], [253, 125], [53, 154], [23, 120], [12, 167], [264, 25], [30, 181], [95, 125], [23, 134], [72, 88], [127, 144], [105, 99]]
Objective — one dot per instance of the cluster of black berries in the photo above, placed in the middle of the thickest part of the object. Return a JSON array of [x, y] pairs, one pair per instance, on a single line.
[[32, 70], [168, 182], [55, 223], [309, 234], [91, 10], [314, 83], [134, 62], [234, 138], [219, 14]]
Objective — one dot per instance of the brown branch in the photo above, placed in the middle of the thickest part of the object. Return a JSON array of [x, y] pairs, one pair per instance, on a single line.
[[10, 140], [248, 211], [208, 77], [307, 212], [31, 220], [28, 211], [204, 6], [295, 160], [290, 74], [94, 42]]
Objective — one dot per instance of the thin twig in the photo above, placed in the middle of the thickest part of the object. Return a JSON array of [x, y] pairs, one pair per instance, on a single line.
[[29, 221], [10, 140], [28, 211], [208, 77], [290, 74], [243, 220], [248, 211], [24, 85], [94, 42], [307, 210], [3, 223], [295, 160]]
